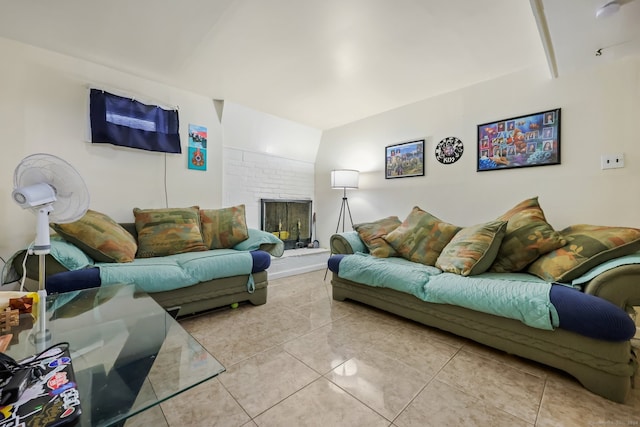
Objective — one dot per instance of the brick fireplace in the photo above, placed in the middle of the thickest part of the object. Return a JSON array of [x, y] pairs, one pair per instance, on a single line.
[[290, 220]]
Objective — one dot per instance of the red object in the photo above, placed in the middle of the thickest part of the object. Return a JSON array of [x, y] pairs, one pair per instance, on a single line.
[[23, 304]]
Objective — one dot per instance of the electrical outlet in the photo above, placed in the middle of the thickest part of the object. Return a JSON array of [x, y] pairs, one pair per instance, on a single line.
[[612, 161]]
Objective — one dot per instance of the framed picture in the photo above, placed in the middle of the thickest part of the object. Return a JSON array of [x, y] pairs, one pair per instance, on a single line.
[[197, 158], [404, 160], [518, 142]]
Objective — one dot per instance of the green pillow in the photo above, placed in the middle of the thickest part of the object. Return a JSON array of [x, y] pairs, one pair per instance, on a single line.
[[223, 228], [473, 249], [421, 237], [68, 254], [527, 237], [168, 231], [262, 240], [100, 237], [372, 234], [587, 247]]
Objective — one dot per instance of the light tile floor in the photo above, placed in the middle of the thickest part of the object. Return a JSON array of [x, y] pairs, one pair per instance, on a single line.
[[303, 359]]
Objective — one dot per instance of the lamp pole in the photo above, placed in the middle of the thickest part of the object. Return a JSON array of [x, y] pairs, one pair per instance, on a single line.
[[343, 211]]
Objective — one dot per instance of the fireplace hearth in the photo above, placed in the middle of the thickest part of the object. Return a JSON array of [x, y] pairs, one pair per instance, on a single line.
[[290, 220]]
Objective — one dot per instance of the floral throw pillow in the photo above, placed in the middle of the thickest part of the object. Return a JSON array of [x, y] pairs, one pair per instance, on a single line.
[[168, 231], [527, 237], [587, 247], [100, 237], [473, 249], [421, 237], [224, 228], [372, 234]]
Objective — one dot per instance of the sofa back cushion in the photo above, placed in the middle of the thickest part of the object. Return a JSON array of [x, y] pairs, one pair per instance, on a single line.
[[168, 231], [373, 233], [473, 249], [224, 228], [421, 237], [587, 247], [100, 237], [527, 237]]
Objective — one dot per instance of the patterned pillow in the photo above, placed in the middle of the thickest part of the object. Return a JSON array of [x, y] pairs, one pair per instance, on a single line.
[[168, 231], [372, 234], [421, 237], [587, 247], [100, 237], [473, 249], [528, 236], [224, 228]]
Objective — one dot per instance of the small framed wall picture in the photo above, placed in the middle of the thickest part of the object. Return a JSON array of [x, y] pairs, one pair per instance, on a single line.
[[404, 160], [197, 158]]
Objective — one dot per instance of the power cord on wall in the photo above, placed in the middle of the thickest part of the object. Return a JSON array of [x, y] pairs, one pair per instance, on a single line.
[[166, 197]]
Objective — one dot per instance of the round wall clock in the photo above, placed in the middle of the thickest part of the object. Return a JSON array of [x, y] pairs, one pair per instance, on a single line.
[[449, 150]]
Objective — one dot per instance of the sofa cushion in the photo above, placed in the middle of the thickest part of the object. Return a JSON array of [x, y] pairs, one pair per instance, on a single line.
[[527, 237], [223, 228], [587, 246], [421, 237], [473, 249], [372, 234], [168, 231], [68, 255], [100, 237]]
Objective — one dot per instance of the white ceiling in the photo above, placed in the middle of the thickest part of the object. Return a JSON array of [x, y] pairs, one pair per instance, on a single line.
[[576, 34], [323, 63]]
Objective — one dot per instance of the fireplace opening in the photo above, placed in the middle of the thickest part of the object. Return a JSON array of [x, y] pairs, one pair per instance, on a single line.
[[290, 220]]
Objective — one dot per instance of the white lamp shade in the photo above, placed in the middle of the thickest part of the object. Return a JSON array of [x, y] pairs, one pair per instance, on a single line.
[[344, 178]]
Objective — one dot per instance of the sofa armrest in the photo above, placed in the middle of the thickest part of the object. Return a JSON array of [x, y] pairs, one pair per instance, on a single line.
[[63, 256], [52, 266], [620, 285], [347, 242]]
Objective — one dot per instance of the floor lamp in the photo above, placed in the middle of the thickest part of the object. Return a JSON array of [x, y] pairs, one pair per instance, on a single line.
[[341, 179]]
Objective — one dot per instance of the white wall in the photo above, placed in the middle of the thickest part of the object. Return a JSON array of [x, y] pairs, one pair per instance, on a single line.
[[265, 157], [600, 114], [251, 130], [250, 176], [43, 108]]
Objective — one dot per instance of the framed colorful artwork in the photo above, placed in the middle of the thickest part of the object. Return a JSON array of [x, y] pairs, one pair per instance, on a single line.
[[404, 160], [518, 142], [197, 156]]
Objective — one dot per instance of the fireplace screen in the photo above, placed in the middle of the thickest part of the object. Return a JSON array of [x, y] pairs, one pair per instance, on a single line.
[[290, 220]]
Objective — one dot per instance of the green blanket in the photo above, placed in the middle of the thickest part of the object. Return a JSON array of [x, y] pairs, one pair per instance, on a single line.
[[177, 271], [516, 296], [168, 272]]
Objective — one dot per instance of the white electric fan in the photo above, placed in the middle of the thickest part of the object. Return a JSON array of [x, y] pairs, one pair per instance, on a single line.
[[55, 192]]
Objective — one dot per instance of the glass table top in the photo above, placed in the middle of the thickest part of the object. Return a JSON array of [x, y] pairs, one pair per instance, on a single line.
[[128, 353]]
